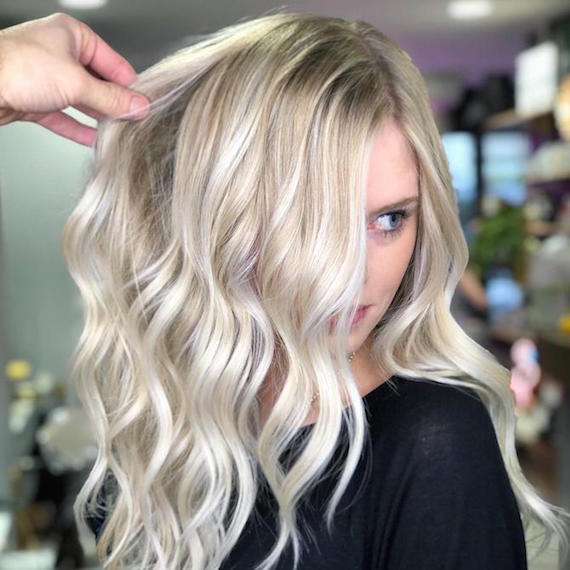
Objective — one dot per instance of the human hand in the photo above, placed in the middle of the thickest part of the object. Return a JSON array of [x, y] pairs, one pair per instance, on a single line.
[[51, 63]]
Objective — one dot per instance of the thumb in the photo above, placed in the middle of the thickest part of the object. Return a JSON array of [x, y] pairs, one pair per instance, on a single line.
[[111, 99]]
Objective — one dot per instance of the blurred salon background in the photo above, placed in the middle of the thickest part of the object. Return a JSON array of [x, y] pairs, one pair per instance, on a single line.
[[498, 73]]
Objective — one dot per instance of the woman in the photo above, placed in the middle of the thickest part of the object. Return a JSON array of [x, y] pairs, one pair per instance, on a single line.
[[238, 396]]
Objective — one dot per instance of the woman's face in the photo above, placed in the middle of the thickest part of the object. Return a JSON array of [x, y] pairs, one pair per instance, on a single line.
[[392, 225]]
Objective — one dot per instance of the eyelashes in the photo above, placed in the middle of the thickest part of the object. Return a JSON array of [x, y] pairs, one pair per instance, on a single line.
[[401, 217]]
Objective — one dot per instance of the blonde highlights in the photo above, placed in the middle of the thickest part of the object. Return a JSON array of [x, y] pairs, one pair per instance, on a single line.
[[215, 239]]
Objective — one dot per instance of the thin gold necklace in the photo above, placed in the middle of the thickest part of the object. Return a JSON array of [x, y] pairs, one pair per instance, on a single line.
[[317, 394]]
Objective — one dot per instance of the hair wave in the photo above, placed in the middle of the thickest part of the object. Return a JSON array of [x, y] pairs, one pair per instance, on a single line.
[[214, 240]]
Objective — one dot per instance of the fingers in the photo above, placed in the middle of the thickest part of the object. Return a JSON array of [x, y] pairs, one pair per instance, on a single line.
[[89, 112], [111, 99], [66, 126], [108, 95], [99, 56], [66, 63]]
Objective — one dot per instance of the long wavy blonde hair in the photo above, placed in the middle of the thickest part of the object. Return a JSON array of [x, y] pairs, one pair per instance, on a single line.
[[214, 241]]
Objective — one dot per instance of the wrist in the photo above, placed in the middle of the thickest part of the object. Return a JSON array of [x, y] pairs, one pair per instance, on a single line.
[[7, 113], [3, 52]]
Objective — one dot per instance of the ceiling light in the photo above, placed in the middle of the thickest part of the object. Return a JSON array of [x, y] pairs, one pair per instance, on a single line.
[[82, 4], [469, 9]]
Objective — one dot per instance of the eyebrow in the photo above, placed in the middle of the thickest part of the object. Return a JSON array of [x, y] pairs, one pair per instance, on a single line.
[[395, 205]]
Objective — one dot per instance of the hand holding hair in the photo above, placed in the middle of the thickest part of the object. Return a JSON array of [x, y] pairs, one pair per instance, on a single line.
[[51, 63]]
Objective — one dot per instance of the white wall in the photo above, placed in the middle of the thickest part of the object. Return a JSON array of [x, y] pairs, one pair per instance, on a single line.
[[41, 177]]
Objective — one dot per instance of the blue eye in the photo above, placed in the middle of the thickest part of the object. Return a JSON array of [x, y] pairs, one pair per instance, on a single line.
[[394, 221]]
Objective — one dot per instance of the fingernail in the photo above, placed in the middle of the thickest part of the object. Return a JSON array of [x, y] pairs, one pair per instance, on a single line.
[[139, 106]]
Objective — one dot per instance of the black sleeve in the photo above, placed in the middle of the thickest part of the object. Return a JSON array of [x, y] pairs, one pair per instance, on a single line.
[[96, 524], [454, 508], [96, 521]]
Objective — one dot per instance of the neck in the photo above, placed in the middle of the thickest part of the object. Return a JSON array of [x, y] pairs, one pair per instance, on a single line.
[[367, 375]]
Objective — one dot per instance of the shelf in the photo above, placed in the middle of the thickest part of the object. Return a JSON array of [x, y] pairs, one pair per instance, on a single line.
[[510, 119], [551, 183]]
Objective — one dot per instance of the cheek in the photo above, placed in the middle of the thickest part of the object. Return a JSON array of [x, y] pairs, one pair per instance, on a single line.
[[386, 273], [387, 263]]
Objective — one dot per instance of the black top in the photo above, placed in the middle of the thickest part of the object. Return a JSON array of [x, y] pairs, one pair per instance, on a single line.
[[430, 493]]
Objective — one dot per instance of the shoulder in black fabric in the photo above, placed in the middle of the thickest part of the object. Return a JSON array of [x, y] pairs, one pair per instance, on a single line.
[[446, 500]]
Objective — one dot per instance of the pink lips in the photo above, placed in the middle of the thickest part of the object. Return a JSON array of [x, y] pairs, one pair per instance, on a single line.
[[359, 315]]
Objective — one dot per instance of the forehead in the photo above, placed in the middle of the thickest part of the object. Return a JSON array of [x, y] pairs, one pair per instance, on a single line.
[[392, 169]]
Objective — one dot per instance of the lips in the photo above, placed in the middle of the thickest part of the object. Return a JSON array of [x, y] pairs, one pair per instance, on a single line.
[[358, 316], [360, 312]]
